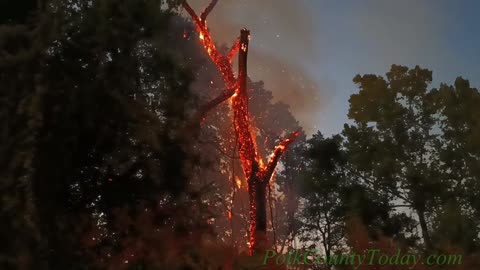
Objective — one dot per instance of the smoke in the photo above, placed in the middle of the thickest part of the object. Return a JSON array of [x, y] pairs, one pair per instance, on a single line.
[[290, 84], [281, 46]]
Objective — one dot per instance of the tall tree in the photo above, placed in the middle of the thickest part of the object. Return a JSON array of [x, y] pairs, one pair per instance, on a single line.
[[391, 140], [257, 173], [323, 217], [405, 142], [334, 201]]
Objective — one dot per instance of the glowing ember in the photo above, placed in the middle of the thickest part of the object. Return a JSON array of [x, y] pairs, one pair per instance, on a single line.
[[238, 182], [244, 47]]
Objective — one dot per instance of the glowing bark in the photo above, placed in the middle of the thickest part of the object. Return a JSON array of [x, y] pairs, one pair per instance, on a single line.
[[257, 174]]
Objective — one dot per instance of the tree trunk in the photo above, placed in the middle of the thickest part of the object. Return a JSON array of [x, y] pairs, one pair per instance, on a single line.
[[257, 180], [257, 189], [424, 227]]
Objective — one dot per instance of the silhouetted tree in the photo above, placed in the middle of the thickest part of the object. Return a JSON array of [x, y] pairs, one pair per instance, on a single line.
[[93, 109], [415, 144]]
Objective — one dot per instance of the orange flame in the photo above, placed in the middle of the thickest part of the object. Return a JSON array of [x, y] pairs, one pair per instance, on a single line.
[[238, 182]]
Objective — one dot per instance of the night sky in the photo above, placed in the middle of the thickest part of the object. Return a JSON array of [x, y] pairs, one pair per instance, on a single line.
[[308, 51]]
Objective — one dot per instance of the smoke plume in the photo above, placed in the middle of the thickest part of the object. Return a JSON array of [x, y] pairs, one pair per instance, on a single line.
[[280, 48]]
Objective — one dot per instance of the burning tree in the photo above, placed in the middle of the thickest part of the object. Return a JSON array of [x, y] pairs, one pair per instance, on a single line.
[[257, 172]]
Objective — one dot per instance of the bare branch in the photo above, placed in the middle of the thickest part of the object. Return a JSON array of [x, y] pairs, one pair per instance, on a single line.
[[207, 10], [192, 13], [204, 109], [234, 50]]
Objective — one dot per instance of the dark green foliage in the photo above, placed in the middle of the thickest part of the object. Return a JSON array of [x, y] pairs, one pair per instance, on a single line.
[[93, 108], [416, 144], [323, 216], [334, 198], [17, 12], [409, 162]]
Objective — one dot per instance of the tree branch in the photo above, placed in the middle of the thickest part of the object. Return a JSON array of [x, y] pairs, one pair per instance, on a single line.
[[369, 182], [221, 61], [204, 109], [207, 10], [205, 37], [192, 13], [234, 50], [277, 153]]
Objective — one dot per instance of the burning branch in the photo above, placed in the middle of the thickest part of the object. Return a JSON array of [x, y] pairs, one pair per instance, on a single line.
[[275, 156], [220, 60], [207, 41], [234, 50]]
